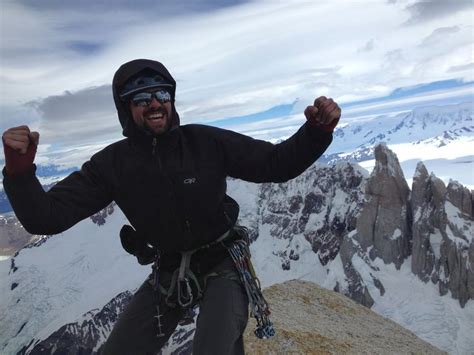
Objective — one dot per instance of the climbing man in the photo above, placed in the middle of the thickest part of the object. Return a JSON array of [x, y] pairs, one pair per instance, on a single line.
[[170, 182]]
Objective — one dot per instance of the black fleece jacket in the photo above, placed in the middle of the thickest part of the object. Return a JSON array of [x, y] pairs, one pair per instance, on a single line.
[[172, 187]]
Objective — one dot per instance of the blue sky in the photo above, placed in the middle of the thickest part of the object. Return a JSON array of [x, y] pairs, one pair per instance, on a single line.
[[418, 90], [235, 62], [446, 92]]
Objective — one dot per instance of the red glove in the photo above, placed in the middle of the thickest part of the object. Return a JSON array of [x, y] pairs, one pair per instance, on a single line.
[[19, 146], [324, 114]]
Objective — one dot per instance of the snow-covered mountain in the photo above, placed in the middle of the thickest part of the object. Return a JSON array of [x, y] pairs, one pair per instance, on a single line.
[[13, 236], [441, 136], [413, 126], [407, 254]]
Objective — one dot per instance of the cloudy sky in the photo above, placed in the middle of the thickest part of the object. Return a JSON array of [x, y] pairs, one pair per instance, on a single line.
[[236, 62]]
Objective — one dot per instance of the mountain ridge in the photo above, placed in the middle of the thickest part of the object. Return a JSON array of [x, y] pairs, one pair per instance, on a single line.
[[311, 228]]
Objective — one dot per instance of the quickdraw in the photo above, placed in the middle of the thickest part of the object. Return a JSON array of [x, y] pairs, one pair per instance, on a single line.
[[240, 252]]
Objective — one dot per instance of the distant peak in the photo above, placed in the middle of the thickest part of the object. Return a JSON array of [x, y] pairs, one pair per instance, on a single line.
[[386, 161], [420, 171]]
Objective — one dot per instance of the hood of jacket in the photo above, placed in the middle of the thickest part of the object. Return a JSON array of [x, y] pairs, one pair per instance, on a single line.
[[122, 75]]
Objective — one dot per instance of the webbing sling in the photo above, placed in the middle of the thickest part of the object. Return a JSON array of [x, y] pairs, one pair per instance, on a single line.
[[183, 276]]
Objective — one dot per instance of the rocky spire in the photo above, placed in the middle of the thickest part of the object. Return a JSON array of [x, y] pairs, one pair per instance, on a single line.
[[384, 221], [460, 197], [428, 220], [443, 248], [457, 248]]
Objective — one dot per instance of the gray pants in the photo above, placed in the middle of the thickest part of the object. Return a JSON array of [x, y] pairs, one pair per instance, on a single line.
[[223, 316]]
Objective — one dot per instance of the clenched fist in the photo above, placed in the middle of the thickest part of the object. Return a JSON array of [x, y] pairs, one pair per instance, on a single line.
[[325, 113], [19, 146]]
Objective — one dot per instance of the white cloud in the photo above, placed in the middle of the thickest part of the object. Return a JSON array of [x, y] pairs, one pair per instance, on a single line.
[[431, 96], [439, 35], [424, 10], [462, 68], [368, 46], [231, 62]]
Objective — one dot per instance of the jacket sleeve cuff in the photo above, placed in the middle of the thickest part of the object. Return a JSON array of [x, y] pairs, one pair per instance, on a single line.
[[316, 132], [327, 128], [19, 177]]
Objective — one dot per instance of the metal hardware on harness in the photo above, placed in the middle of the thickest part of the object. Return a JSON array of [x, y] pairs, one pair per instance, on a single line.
[[185, 293], [183, 278], [181, 282], [156, 293], [240, 252]]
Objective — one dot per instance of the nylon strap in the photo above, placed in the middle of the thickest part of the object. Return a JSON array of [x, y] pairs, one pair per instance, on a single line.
[[184, 278]]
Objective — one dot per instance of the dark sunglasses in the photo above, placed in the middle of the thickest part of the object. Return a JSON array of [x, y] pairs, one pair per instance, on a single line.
[[144, 99]]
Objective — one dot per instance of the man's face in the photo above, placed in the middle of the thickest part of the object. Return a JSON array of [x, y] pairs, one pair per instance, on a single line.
[[155, 117]]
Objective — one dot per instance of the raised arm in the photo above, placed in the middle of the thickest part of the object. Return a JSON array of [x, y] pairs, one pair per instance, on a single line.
[[76, 197], [259, 161]]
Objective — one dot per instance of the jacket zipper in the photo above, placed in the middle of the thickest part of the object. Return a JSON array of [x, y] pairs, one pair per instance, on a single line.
[[154, 152], [189, 234]]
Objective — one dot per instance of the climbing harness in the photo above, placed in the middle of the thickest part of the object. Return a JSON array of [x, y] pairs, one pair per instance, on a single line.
[[184, 281]]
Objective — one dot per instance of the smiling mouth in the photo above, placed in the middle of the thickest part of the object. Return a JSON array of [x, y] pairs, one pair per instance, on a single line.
[[155, 116]]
